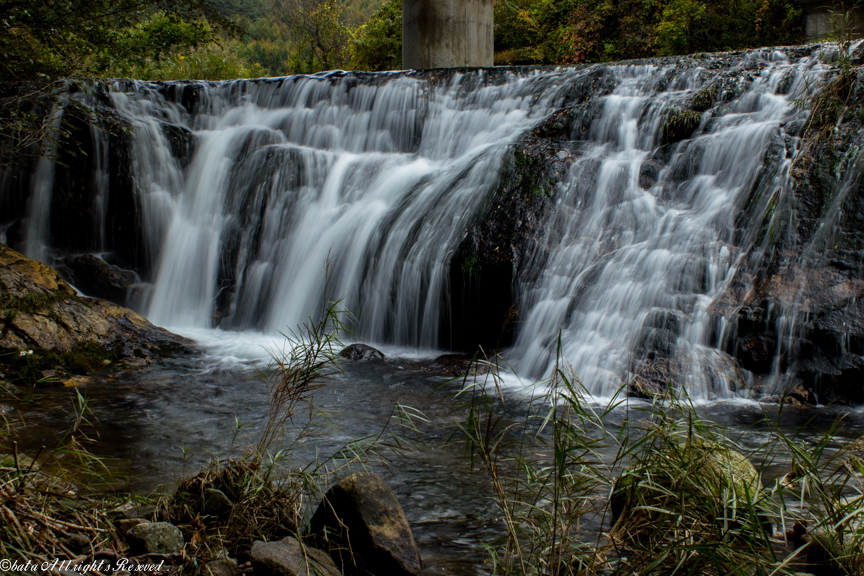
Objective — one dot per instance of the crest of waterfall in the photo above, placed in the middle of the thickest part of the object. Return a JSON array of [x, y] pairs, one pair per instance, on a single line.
[[377, 177]]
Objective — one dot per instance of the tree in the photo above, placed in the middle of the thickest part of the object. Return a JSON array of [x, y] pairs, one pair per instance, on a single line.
[[377, 44], [49, 39], [43, 41], [319, 31]]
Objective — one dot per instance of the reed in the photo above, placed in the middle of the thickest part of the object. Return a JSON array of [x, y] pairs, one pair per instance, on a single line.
[[672, 491]]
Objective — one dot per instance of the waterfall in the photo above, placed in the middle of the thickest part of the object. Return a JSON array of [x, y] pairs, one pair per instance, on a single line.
[[248, 190], [42, 190], [642, 264]]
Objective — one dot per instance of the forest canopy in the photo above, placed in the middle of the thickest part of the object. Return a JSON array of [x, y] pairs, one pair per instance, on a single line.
[[221, 39]]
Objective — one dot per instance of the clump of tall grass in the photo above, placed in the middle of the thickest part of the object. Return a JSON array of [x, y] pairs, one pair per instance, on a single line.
[[44, 515], [665, 492], [265, 493]]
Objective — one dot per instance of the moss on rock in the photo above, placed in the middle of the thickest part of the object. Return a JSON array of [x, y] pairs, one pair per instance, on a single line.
[[679, 125], [713, 470], [47, 330]]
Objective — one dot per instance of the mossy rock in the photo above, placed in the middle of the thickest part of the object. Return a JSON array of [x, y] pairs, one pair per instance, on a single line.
[[704, 100], [714, 467], [679, 125], [46, 327]]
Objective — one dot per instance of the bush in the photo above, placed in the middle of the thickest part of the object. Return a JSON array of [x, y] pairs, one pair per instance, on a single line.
[[577, 31], [377, 44], [211, 62]]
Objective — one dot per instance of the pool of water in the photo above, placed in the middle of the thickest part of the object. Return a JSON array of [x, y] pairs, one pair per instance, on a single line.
[[160, 423]]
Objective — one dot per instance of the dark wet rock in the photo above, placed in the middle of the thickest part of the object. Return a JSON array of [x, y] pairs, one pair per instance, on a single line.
[[810, 279], [456, 365], [216, 503], [38, 309], [361, 352], [71, 218], [222, 565], [95, 277], [288, 557], [755, 352], [77, 543], [509, 231], [221, 568], [679, 125], [822, 356], [652, 379], [181, 141], [800, 397], [362, 514], [649, 173], [155, 538], [123, 525], [131, 510]]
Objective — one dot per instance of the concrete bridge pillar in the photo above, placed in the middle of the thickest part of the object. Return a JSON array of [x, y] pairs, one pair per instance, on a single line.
[[825, 18], [447, 33]]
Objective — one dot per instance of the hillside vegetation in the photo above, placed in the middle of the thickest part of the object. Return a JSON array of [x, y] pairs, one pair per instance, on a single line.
[[224, 39]]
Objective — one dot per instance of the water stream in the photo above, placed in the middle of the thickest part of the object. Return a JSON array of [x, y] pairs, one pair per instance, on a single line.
[[161, 424]]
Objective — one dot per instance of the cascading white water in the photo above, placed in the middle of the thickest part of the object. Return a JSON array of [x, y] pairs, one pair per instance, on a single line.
[[39, 205], [381, 175], [380, 179], [633, 262]]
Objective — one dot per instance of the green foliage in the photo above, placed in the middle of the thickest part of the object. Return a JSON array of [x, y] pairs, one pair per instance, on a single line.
[[149, 44], [29, 303], [210, 62], [377, 44], [577, 31], [679, 125], [472, 266], [82, 37], [678, 25]]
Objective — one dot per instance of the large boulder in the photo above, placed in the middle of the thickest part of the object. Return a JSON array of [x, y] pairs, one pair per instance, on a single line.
[[39, 310], [95, 277], [682, 492], [288, 557], [713, 467], [362, 525]]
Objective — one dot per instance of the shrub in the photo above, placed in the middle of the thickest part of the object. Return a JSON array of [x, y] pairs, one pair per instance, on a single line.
[[377, 44]]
